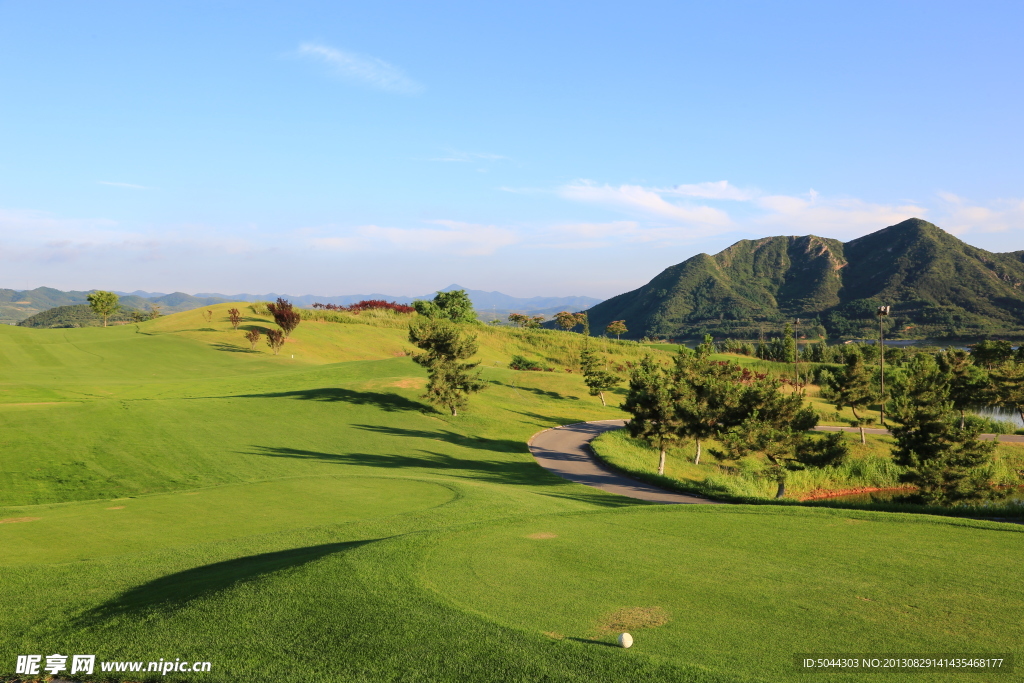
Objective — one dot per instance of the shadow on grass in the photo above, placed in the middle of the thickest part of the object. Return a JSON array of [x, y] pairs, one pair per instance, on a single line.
[[523, 472], [479, 442], [387, 402], [538, 392], [231, 348], [175, 590], [590, 641]]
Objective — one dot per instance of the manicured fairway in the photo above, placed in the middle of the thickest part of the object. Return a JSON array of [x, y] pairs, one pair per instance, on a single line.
[[744, 588], [167, 493]]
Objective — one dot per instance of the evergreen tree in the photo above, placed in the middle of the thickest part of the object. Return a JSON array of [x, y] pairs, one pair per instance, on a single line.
[[768, 422], [455, 306], [946, 464], [595, 376], [968, 383], [444, 346], [853, 388], [1007, 386], [651, 402]]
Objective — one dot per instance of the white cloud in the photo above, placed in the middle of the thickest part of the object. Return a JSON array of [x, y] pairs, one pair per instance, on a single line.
[[130, 186], [464, 239], [713, 190], [842, 218], [959, 216], [362, 68], [636, 199]]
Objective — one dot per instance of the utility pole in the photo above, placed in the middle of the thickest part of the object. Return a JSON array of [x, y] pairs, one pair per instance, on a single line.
[[883, 312]]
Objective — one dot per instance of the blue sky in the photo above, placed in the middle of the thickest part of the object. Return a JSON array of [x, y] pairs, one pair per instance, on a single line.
[[536, 148]]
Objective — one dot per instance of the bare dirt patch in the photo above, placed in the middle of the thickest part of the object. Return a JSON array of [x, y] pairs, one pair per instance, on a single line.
[[15, 520], [410, 383], [540, 535], [632, 618], [117, 507]]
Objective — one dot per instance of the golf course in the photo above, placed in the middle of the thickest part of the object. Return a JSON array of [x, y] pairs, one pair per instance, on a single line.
[[167, 491]]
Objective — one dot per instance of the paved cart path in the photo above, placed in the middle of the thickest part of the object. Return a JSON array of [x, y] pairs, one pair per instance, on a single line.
[[566, 452]]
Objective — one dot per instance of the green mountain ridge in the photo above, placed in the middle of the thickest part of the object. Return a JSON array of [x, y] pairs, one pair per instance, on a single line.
[[16, 306], [937, 285]]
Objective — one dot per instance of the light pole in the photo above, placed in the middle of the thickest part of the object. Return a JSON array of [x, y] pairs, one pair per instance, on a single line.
[[883, 312]]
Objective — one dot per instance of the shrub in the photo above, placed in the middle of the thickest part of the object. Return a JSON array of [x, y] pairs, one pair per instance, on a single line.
[[522, 363]]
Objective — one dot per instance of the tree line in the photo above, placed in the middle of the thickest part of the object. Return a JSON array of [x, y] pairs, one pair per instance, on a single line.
[[749, 413]]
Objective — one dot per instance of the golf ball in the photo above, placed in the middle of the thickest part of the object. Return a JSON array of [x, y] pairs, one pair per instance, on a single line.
[[625, 640]]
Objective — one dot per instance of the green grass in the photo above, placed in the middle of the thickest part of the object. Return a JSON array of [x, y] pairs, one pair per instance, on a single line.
[[166, 492]]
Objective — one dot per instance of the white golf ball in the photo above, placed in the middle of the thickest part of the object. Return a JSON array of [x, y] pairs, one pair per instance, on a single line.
[[625, 640]]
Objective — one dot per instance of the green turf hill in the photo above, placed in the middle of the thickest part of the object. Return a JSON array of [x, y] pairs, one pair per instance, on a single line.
[[937, 285], [16, 306], [79, 315]]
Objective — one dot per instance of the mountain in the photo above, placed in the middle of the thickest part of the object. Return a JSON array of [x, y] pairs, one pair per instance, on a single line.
[[937, 285], [16, 306]]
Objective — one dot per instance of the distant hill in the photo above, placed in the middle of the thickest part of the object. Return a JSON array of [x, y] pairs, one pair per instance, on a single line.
[[938, 287], [482, 301], [79, 315], [16, 306]]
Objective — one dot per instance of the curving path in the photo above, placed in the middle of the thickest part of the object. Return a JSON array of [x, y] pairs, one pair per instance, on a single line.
[[566, 451]]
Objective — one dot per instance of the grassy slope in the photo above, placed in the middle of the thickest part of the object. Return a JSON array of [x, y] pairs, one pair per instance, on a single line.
[[282, 517]]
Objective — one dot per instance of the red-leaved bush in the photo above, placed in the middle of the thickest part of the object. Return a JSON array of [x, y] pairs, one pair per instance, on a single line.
[[367, 305]]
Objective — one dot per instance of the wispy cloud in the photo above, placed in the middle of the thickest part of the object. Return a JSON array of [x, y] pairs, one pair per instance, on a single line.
[[130, 186], [464, 239], [637, 199], [720, 189], [363, 69], [840, 217], [959, 215]]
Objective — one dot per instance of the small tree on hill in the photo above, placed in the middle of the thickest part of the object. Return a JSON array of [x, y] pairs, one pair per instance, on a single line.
[[518, 319], [285, 315], [234, 317], [566, 320], [253, 336], [535, 322], [444, 347], [103, 304], [616, 327], [275, 340], [154, 311], [454, 305], [597, 379]]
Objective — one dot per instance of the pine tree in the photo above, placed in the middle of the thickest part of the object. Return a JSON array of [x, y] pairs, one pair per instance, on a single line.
[[651, 402], [946, 464], [597, 379], [853, 388], [444, 346]]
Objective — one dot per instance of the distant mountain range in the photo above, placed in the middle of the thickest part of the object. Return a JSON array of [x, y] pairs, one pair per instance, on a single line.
[[19, 305], [938, 287]]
